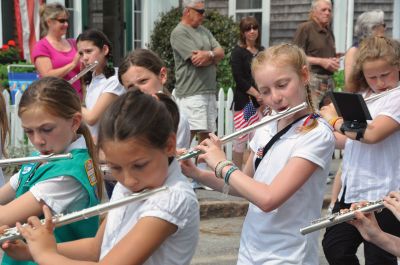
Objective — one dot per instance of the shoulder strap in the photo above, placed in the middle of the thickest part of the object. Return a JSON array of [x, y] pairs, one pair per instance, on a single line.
[[273, 140]]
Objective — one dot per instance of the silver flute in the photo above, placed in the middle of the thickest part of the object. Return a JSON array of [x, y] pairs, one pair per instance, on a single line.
[[33, 159], [12, 234], [230, 137], [88, 68], [338, 218], [371, 98]]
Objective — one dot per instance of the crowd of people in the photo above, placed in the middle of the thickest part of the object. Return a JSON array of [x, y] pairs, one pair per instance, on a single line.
[[125, 118]]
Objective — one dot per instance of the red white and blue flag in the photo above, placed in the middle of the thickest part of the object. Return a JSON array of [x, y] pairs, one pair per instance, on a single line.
[[27, 23], [244, 118]]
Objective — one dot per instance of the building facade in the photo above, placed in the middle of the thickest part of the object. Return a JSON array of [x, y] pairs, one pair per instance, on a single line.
[[129, 23]]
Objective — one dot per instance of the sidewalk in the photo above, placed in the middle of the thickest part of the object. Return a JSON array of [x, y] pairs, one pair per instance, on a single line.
[[214, 204]]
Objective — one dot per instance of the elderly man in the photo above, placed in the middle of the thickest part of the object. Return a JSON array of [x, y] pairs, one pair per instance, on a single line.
[[316, 38], [196, 54]]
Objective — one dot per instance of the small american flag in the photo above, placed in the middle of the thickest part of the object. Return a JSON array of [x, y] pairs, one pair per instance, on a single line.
[[244, 118]]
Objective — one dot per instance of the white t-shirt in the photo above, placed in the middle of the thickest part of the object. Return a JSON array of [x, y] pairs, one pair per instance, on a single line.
[[274, 237], [99, 85], [62, 194], [370, 171], [178, 206]]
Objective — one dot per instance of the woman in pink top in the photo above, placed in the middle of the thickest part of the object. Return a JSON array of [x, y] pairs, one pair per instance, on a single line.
[[54, 55]]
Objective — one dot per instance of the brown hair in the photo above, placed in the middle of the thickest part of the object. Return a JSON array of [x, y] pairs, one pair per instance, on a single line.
[[138, 115], [142, 58], [50, 11], [5, 129], [371, 49], [60, 99], [286, 55], [99, 39], [245, 24]]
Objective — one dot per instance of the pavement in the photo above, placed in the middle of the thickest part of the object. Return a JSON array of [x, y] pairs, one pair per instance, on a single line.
[[214, 204]]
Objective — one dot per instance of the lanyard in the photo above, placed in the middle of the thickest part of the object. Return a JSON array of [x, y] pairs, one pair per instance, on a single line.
[[273, 140]]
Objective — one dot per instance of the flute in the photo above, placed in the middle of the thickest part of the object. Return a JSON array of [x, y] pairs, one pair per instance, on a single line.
[[33, 159], [338, 218], [88, 68], [230, 137], [384, 93], [60, 219]]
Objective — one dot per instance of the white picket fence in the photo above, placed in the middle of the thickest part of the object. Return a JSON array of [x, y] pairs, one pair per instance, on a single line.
[[16, 132], [224, 126]]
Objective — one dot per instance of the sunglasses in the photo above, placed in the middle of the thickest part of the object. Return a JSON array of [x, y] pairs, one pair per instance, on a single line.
[[61, 20], [251, 27], [200, 11]]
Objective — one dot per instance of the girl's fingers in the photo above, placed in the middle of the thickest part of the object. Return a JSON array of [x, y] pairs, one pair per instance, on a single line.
[[34, 221], [48, 218], [24, 231], [395, 194]]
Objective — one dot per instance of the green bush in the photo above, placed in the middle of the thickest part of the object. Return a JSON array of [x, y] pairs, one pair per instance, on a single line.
[[224, 29], [338, 78]]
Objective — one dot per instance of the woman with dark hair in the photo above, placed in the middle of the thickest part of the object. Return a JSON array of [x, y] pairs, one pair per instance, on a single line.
[[246, 91]]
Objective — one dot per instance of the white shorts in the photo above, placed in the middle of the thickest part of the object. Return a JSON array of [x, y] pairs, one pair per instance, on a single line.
[[201, 111]]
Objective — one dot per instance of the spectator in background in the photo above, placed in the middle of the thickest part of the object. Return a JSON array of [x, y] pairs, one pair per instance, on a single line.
[[196, 54], [370, 23], [246, 91], [316, 38], [54, 55]]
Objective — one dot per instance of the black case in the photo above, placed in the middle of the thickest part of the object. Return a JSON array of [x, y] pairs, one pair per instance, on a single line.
[[352, 108]]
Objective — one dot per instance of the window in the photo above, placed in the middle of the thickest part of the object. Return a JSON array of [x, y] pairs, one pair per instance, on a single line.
[[137, 18], [239, 9]]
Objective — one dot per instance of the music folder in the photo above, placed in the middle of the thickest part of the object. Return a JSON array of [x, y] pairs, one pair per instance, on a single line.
[[352, 108]]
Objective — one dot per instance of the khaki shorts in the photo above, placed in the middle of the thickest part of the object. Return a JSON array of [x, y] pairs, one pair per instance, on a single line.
[[201, 111], [319, 86]]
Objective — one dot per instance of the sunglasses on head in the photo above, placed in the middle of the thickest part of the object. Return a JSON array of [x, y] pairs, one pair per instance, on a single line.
[[251, 27], [61, 20], [200, 11]]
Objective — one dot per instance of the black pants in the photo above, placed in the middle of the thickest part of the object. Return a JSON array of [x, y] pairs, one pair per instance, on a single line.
[[341, 241]]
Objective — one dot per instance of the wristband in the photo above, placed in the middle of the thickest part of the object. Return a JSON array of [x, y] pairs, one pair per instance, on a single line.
[[220, 166], [360, 134], [342, 128], [333, 121], [229, 173]]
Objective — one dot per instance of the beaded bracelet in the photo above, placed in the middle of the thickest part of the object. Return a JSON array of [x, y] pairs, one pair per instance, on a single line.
[[220, 166]]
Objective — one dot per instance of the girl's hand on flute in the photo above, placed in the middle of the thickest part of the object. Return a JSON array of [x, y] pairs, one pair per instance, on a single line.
[[392, 202], [212, 152], [39, 237], [189, 169], [17, 249], [365, 222]]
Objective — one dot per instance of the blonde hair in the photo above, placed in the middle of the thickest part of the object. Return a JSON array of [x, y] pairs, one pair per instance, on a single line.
[[371, 49], [50, 11], [286, 55]]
